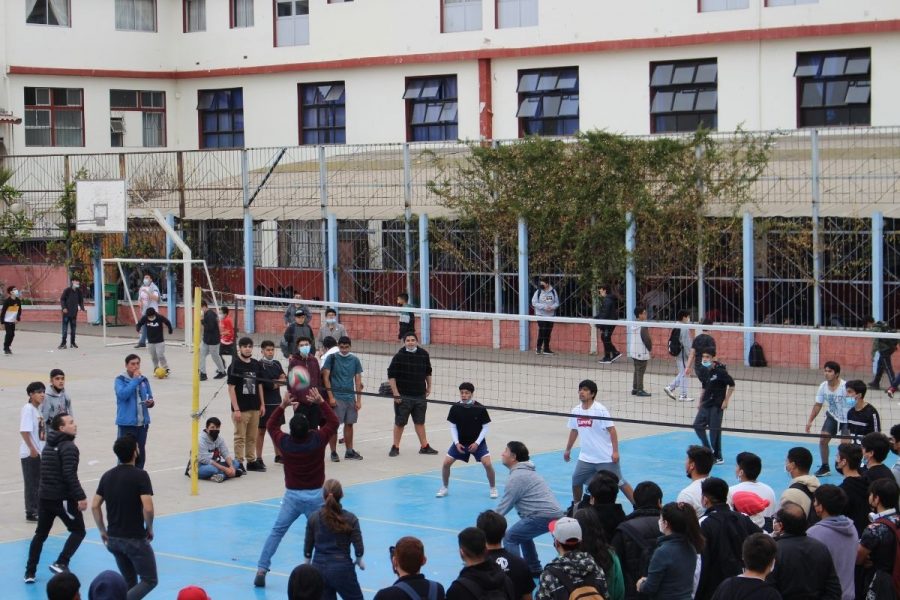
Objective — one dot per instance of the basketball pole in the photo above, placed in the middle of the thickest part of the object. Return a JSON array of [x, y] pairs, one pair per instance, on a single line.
[[195, 395]]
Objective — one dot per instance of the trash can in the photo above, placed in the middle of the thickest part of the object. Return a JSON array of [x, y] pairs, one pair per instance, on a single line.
[[111, 301]]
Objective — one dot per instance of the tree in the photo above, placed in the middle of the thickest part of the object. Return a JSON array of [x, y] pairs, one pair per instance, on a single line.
[[15, 224]]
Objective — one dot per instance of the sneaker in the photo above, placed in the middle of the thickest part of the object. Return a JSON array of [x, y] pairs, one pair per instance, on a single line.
[[58, 568], [427, 449], [31, 517], [823, 471], [352, 455], [549, 352], [220, 375], [242, 470], [7, 351], [29, 578], [203, 377], [873, 385], [685, 399], [670, 392], [335, 457], [61, 347], [720, 461], [538, 351], [890, 392], [442, 492], [260, 463], [74, 345], [254, 465], [605, 360], [218, 477], [642, 394], [260, 579], [278, 460], [140, 345], [615, 356], [341, 441], [495, 493], [395, 451]]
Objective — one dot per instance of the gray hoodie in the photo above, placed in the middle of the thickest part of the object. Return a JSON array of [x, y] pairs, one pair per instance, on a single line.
[[55, 402], [839, 536], [529, 494], [210, 450]]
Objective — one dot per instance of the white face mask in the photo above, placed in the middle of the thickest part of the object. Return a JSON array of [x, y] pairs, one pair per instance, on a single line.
[[331, 321], [147, 281], [76, 285], [15, 293]]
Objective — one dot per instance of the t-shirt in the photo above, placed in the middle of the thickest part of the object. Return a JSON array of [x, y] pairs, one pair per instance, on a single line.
[[515, 568], [763, 491], [227, 331], [148, 296], [879, 540], [861, 422], [32, 423], [468, 419], [746, 588], [122, 487], [835, 401], [878, 472], [271, 391], [242, 375], [342, 372], [596, 444], [693, 495]]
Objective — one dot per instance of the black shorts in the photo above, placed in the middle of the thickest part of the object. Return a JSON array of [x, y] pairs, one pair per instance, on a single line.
[[270, 408], [410, 406], [830, 426]]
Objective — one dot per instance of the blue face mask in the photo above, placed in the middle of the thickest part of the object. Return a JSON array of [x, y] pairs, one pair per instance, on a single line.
[[706, 363], [850, 401], [304, 350]]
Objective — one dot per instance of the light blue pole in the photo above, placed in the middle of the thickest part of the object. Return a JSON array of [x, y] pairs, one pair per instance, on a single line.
[[171, 297], [98, 288], [424, 278], [332, 258], [523, 285], [249, 266], [749, 295], [630, 275], [878, 266], [817, 248]]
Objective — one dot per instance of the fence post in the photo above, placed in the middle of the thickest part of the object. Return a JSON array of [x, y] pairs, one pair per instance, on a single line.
[[630, 277], [424, 278], [878, 266], [407, 217], [249, 279], [332, 267], [817, 250], [523, 285], [98, 279], [749, 292], [171, 296], [326, 233], [498, 294]]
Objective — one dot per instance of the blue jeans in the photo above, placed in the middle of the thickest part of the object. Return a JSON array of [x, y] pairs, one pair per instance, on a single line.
[[69, 322], [134, 557], [207, 471], [339, 574], [293, 504], [519, 539], [139, 434]]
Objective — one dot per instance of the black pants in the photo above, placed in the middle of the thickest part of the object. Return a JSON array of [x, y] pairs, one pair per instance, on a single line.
[[884, 366], [10, 334], [48, 511], [609, 349], [545, 328], [69, 323]]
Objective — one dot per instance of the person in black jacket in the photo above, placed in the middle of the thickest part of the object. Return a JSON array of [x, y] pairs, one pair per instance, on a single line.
[[718, 386], [407, 559], [209, 342], [156, 341], [480, 575], [803, 566], [299, 329], [635, 537], [609, 310], [409, 375], [71, 300], [10, 314], [60, 495]]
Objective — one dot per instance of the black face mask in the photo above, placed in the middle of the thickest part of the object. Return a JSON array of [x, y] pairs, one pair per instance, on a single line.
[[213, 435]]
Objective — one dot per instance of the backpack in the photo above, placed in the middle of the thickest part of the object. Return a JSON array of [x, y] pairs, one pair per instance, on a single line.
[[812, 518], [757, 357], [586, 589], [474, 588], [407, 589], [895, 571], [675, 345]]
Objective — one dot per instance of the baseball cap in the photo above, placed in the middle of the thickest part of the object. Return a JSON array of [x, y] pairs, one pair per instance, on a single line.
[[749, 503], [299, 312], [566, 530], [192, 592]]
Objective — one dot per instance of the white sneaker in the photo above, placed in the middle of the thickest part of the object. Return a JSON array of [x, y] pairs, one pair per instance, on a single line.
[[495, 493], [442, 492], [218, 478], [685, 399], [670, 392]]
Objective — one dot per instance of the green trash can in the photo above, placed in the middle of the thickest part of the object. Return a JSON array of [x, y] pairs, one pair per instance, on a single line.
[[111, 301]]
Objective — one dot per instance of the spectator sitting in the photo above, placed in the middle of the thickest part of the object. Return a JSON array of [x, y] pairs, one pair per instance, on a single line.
[[758, 553], [479, 576], [803, 485], [803, 566], [108, 585], [697, 466], [407, 559], [837, 533], [305, 583], [875, 447], [214, 460], [604, 488], [593, 542], [877, 544], [64, 586], [635, 537], [747, 470], [855, 486], [572, 567], [493, 525], [674, 563]]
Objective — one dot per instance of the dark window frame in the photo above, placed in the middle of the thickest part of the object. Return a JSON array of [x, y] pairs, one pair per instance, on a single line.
[[142, 108], [809, 72], [230, 110], [683, 120], [443, 97], [54, 109], [330, 131], [533, 94]]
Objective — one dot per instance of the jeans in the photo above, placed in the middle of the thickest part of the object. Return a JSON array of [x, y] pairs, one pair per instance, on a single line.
[[69, 322], [637, 382], [10, 334], [142, 341], [134, 557], [211, 350], [245, 432], [207, 471], [340, 578], [711, 417], [521, 536], [545, 328], [609, 349], [31, 474], [139, 434], [293, 504], [68, 513]]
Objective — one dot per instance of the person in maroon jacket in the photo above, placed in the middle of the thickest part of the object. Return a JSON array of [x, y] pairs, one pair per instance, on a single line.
[[304, 355], [303, 456]]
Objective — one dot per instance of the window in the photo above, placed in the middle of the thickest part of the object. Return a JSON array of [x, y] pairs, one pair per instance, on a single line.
[[431, 109], [516, 13], [54, 117], [136, 15], [834, 88], [291, 22], [323, 113], [221, 114], [548, 102], [461, 15], [683, 95], [137, 119], [194, 15], [241, 13], [713, 5], [47, 12], [789, 2]]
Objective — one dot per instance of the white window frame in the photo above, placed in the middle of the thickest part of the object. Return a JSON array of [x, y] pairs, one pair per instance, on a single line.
[[516, 13], [293, 29], [126, 15], [717, 5], [461, 15]]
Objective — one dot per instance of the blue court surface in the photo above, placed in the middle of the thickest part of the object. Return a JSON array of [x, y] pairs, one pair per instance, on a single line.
[[218, 548]]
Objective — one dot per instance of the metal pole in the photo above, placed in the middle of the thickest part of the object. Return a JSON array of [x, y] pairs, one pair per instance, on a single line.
[[817, 253], [332, 268], [407, 217], [249, 281], [323, 203], [701, 273], [98, 279], [630, 276], [523, 285], [195, 390], [498, 293], [424, 278], [171, 296], [749, 292], [878, 266]]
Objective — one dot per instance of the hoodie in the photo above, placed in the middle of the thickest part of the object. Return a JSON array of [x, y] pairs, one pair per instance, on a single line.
[[131, 395], [839, 536], [857, 490], [485, 576], [797, 496], [529, 494], [55, 402], [579, 566], [210, 450], [545, 302]]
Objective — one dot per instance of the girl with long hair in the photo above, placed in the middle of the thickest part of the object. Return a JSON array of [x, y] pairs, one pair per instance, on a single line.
[[671, 572], [593, 542], [330, 531]]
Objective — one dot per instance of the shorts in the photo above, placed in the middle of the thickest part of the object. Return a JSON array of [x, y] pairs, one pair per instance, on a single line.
[[480, 453], [585, 471], [410, 406], [346, 412], [830, 426], [270, 408]]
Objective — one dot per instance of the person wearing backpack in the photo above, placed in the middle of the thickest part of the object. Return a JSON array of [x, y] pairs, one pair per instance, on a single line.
[[480, 578], [407, 559], [879, 545], [680, 342], [635, 538], [573, 574]]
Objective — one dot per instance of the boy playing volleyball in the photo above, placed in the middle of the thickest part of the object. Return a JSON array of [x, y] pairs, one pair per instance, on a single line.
[[468, 428]]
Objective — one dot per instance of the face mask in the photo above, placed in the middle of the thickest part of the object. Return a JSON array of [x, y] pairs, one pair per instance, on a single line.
[[662, 528], [851, 401], [16, 293], [304, 350], [213, 434], [413, 349], [146, 282], [76, 285], [331, 321], [706, 363], [267, 361]]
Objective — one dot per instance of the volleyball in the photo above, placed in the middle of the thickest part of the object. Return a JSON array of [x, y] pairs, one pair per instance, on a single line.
[[298, 379], [160, 373]]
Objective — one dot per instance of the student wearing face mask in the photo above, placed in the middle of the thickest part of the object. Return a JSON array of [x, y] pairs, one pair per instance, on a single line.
[[717, 391], [10, 314], [71, 300], [303, 356], [670, 575], [148, 297], [342, 378], [468, 428], [214, 460], [331, 327]]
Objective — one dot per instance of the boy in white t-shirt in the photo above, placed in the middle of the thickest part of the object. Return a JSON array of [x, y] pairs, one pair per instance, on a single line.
[[748, 468], [599, 442], [833, 395], [31, 428]]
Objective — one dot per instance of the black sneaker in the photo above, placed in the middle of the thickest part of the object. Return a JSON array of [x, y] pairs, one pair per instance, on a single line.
[[605, 360], [58, 568], [140, 345], [822, 471], [256, 465], [642, 394], [615, 356], [549, 352], [31, 517], [427, 449], [538, 351], [220, 375], [335, 457], [203, 377], [395, 451], [260, 463], [7, 351], [29, 578], [61, 347], [260, 579], [278, 460], [74, 345], [352, 455]]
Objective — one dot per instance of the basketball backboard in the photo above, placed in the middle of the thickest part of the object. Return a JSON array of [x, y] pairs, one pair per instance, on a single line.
[[101, 206]]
